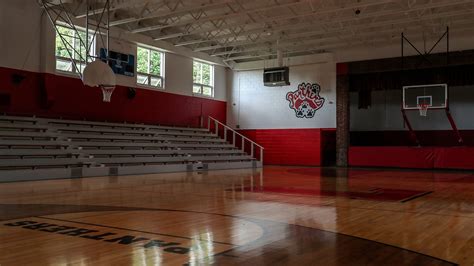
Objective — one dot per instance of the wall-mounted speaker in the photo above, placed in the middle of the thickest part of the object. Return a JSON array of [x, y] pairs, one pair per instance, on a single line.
[[17, 78], [131, 93]]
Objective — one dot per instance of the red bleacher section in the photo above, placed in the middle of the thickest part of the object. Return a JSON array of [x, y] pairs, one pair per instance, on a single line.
[[413, 157], [51, 95]]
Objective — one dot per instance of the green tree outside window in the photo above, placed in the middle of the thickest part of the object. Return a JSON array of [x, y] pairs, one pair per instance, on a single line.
[[68, 44], [149, 67], [203, 79]]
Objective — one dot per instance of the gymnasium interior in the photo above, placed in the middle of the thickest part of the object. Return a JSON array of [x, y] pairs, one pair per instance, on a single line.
[[236, 132]]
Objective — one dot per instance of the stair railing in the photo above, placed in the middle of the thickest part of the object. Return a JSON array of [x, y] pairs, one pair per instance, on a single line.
[[228, 131]]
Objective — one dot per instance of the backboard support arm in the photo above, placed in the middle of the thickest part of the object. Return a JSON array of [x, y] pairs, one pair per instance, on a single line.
[[424, 57], [454, 127], [97, 28], [413, 136]]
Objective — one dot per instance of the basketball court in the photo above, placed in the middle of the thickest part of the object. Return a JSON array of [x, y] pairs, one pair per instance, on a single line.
[[233, 132]]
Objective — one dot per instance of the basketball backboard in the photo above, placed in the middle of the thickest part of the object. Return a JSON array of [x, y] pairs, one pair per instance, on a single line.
[[435, 96]]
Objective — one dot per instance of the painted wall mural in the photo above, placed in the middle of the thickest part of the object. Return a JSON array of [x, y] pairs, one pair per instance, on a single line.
[[305, 101]]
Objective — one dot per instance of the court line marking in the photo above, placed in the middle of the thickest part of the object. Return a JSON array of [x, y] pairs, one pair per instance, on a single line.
[[133, 230], [85, 215], [255, 220], [416, 196], [370, 191]]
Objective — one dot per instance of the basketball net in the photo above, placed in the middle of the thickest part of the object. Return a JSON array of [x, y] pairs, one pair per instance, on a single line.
[[423, 108], [107, 92]]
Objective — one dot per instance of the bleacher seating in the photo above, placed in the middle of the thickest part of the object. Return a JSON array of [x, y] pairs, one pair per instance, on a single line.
[[38, 148]]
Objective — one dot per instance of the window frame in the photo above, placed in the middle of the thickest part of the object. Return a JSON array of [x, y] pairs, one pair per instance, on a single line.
[[148, 75], [81, 64], [201, 84]]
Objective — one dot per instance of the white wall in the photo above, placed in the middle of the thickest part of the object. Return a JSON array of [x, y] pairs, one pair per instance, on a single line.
[[251, 105], [27, 43], [177, 68], [385, 112], [20, 29], [220, 82]]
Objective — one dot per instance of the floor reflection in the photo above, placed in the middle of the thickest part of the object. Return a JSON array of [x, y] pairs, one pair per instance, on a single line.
[[270, 216]]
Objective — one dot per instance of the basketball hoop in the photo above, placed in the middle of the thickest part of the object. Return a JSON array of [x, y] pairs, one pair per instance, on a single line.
[[423, 108], [99, 74], [107, 93]]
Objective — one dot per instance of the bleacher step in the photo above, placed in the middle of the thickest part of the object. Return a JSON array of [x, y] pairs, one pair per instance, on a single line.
[[43, 148]]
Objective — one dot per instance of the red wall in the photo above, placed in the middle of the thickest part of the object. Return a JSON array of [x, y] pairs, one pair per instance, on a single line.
[[440, 138], [328, 149], [289, 146], [405, 157], [413, 157], [53, 96]]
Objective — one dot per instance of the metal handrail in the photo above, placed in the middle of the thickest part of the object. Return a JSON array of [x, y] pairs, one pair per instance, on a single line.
[[244, 138]]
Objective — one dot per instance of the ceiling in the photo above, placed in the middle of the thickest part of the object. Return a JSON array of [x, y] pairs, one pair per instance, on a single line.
[[249, 30]]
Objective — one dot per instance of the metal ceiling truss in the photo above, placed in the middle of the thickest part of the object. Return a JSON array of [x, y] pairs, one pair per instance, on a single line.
[[305, 24], [313, 46], [245, 30], [339, 21], [59, 13], [362, 31]]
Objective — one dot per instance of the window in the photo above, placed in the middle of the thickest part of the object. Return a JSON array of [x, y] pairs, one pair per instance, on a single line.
[[68, 44], [203, 78], [149, 67]]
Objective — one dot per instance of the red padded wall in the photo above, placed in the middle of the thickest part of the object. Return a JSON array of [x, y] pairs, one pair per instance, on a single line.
[[454, 158], [436, 138], [328, 146], [412, 157], [405, 157], [54, 96], [288, 146]]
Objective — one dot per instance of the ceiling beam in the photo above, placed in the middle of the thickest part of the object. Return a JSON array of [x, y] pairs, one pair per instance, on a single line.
[[215, 17], [289, 17], [184, 43], [412, 21], [176, 13], [367, 38], [174, 35], [305, 24], [113, 7], [316, 46]]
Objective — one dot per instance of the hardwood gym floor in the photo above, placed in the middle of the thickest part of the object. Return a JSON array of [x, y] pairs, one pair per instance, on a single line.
[[277, 216]]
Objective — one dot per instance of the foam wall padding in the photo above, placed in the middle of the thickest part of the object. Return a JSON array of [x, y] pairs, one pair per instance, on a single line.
[[413, 157]]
